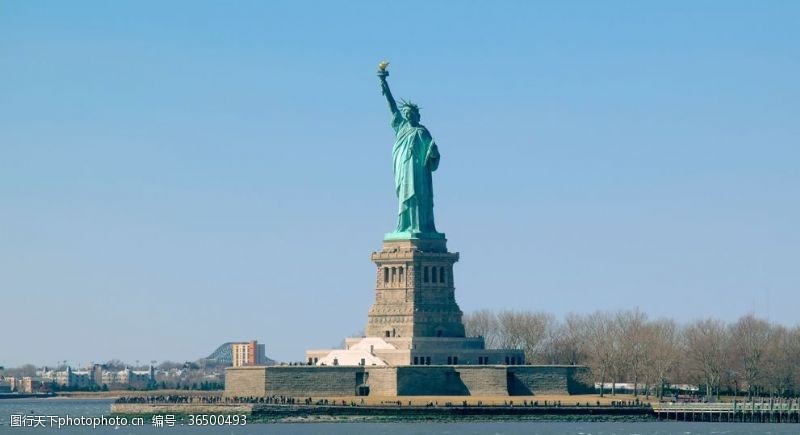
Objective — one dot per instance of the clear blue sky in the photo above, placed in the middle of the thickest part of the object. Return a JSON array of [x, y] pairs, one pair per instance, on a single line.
[[174, 175]]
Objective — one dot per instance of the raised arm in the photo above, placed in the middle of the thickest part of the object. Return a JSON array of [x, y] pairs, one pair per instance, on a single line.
[[388, 94]]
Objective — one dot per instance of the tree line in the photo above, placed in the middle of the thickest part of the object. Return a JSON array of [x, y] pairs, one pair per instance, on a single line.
[[750, 356]]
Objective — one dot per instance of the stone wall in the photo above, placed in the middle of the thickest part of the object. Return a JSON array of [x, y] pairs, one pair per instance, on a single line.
[[312, 381], [532, 380], [245, 381], [484, 380], [439, 380], [382, 381], [430, 381]]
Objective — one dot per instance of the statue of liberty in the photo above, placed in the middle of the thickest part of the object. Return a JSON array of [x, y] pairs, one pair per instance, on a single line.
[[414, 156]]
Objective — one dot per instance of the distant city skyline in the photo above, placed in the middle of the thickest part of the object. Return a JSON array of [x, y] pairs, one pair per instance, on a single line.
[[168, 170]]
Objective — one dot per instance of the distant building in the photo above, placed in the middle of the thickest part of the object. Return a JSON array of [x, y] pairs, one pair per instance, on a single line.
[[31, 385], [136, 378], [96, 376], [5, 385], [13, 383], [64, 378], [69, 378], [628, 387], [108, 378], [224, 354], [248, 354]]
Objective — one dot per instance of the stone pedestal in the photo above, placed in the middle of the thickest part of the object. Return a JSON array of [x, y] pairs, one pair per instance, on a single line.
[[414, 291], [415, 319]]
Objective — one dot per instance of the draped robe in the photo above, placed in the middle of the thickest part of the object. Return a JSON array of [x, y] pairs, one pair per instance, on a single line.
[[414, 155]]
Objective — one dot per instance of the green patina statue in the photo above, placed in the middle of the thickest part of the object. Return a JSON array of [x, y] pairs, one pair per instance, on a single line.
[[415, 156]]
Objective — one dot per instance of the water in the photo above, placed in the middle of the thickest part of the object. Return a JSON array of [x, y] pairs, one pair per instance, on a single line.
[[100, 407]]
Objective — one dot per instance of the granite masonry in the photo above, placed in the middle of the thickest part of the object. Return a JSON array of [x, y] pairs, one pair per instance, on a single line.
[[385, 381]]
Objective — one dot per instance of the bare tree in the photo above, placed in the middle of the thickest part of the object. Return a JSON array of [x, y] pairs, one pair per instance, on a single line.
[[625, 346], [21, 371], [794, 345], [483, 323], [750, 337], [706, 342], [510, 333], [552, 348], [538, 334], [600, 346], [573, 339], [665, 351], [565, 342], [776, 372], [632, 344], [526, 330]]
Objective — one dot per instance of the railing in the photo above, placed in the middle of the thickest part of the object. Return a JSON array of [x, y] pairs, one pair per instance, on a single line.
[[773, 412], [726, 407]]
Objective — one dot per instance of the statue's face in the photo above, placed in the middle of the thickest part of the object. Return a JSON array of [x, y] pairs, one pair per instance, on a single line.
[[411, 115]]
